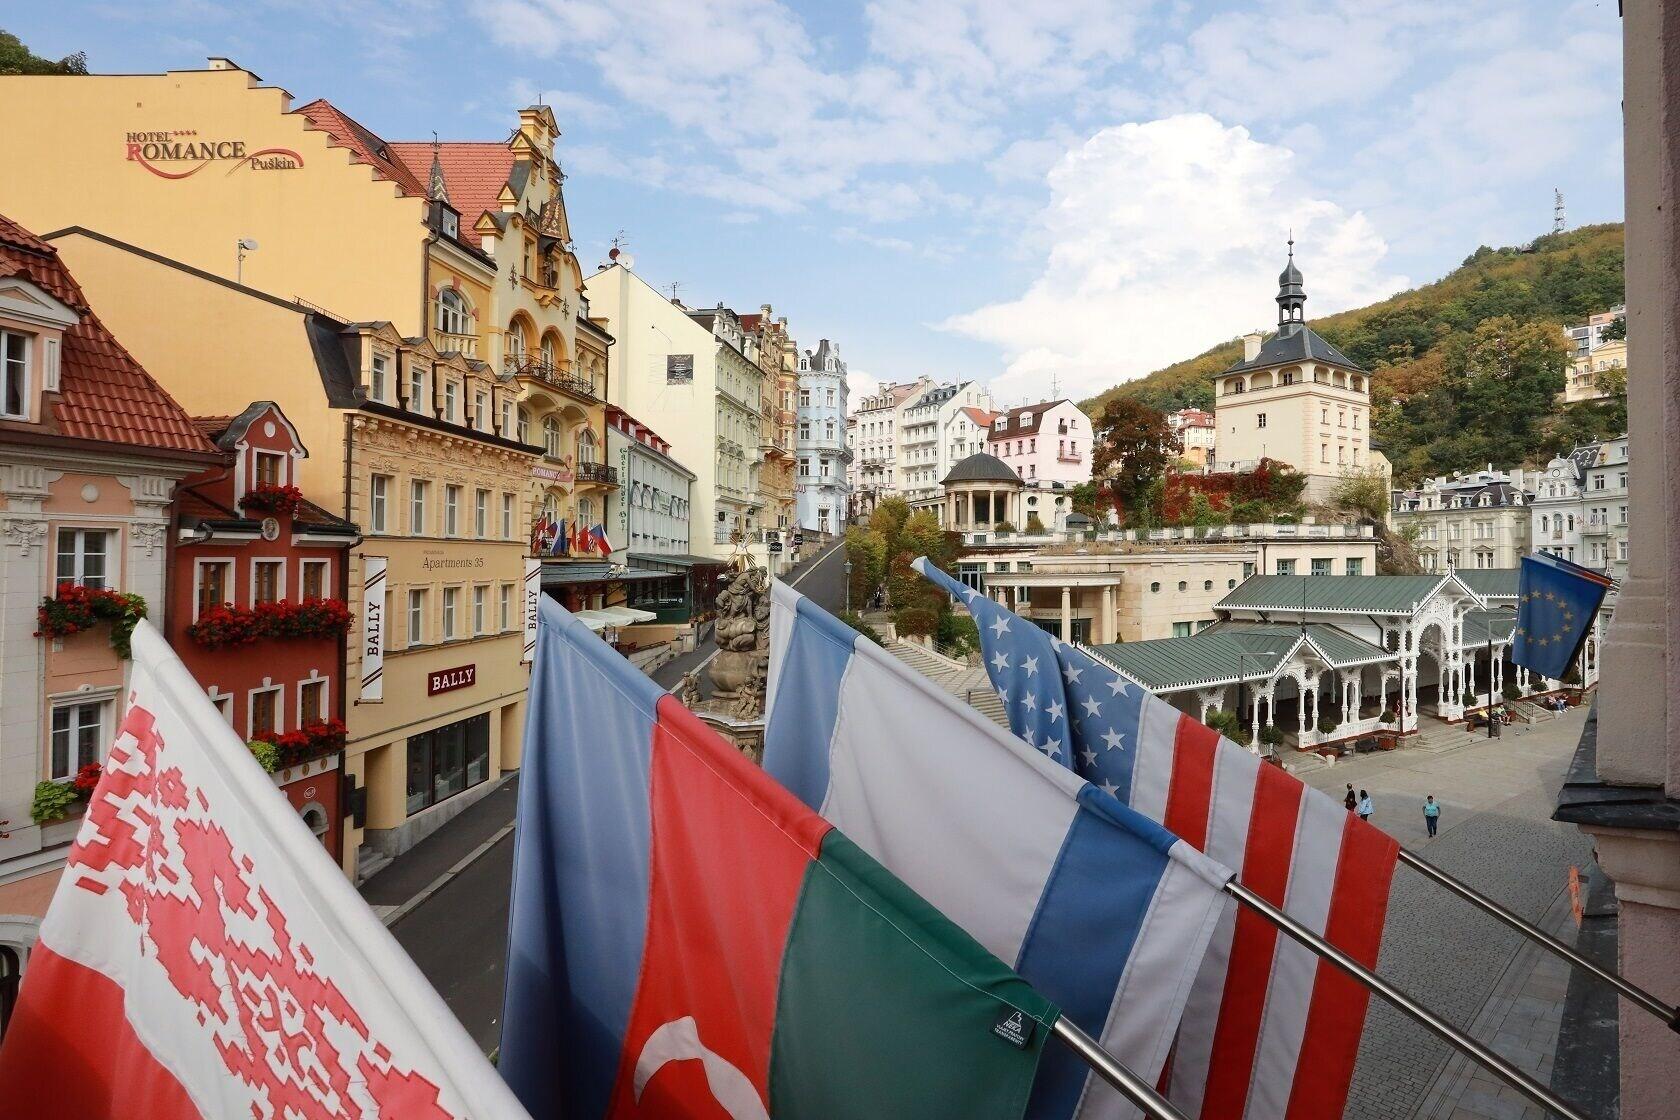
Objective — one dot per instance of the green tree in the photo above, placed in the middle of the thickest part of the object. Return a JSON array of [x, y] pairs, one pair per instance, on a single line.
[[889, 518], [1615, 330], [1134, 448], [1087, 499], [866, 551], [15, 58], [1363, 492]]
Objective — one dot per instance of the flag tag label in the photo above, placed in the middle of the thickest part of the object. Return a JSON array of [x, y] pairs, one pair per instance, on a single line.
[[1014, 1028]]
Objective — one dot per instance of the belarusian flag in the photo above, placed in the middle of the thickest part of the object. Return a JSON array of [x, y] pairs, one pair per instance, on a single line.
[[685, 931], [204, 956]]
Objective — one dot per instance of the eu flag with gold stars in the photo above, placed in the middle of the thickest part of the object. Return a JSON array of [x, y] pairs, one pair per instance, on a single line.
[[1556, 603]]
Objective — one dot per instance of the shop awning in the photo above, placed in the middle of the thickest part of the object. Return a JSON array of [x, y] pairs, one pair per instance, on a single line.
[[563, 575], [592, 619], [626, 616], [679, 559]]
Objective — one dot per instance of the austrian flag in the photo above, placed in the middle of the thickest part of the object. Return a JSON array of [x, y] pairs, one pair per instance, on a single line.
[[205, 958]]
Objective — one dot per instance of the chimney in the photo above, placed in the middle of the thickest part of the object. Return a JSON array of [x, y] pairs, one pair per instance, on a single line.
[[1251, 345]]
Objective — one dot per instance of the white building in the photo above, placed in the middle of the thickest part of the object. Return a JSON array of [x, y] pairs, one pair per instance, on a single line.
[[924, 454], [873, 429], [965, 433], [667, 375], [1477, 520], [1195, 430], [820, 484], [648, 515], [739, 400], [1580, 510]]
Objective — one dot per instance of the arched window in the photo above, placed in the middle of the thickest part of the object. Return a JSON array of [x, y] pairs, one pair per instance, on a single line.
[[551, 436], [585, 511], [586, 446], [524, 425], [515, 346], [453, 317], [550, 353], [314, 815]]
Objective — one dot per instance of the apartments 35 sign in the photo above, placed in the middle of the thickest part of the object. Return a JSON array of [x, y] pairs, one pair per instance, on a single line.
[[179, 153]]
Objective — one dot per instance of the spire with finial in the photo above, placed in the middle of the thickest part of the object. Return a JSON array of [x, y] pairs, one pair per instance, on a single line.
[[1292, 295], [437, 190]]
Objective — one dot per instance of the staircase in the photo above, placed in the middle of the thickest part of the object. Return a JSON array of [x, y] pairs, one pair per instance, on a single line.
[[967, 683]]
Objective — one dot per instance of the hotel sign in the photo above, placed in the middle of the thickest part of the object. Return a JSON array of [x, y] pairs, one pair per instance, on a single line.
[[178, 153], [448, 680]]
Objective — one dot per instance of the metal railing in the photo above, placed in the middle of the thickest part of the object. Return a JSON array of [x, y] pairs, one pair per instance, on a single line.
[[557, 374], [596, 472]]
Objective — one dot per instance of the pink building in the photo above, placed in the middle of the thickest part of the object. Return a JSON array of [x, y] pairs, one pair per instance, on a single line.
[[1195, 433], [1044, 443]]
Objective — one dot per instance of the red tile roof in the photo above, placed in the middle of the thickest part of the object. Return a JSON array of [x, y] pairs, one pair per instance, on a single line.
[[750, 322], [474, 173], [364, 145], [103, 393], [980, 416]]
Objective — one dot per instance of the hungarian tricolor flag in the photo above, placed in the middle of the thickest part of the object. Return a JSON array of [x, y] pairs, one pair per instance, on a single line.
[[689, 940], [204, 957]]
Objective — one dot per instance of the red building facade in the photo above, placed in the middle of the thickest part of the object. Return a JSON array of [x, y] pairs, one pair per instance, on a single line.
[[257, 607]]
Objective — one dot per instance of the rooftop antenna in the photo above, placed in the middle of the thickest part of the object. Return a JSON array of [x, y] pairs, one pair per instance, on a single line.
[[674, 287], [1558, 223]]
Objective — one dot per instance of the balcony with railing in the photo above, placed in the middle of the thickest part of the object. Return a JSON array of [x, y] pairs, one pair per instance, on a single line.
[[447, 342], [1596, 525], [556, 375], [600, 473]]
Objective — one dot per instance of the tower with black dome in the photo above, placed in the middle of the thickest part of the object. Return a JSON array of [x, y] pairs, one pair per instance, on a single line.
[[1296, 399]]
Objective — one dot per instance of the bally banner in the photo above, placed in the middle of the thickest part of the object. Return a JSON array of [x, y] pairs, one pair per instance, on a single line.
[[530, 602], [373, 628], [203, 957]]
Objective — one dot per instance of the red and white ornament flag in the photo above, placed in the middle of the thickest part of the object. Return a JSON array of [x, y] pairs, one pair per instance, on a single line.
[[204, 957]]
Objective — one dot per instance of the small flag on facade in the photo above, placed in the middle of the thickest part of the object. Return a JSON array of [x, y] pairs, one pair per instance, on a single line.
[[599, 535], [204, 957], [1557, 602], [557, 543], [684, 931]]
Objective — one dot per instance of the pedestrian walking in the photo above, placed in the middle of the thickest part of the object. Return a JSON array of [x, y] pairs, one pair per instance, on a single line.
[[1431, 813], [1351, 800], [1365, 807]]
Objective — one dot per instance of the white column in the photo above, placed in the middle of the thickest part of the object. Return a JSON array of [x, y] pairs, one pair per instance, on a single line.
[[1254, 720], [1107, 632], [1067, 614]]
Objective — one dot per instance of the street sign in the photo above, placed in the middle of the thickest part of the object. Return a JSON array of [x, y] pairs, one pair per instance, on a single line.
[[774, 546]]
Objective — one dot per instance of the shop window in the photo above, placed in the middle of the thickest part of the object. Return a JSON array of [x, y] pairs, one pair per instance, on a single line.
[[14, 375], [312, 702], [267, 579], [82, 557], [444, 762], [313, 583], [78, 735]]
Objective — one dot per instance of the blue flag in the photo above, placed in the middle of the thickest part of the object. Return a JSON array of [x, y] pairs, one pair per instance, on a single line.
[[1556, 603]]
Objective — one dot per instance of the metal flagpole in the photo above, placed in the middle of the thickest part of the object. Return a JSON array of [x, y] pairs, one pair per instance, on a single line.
[[1107, 1067], [1638, 996], [1503, 1069]]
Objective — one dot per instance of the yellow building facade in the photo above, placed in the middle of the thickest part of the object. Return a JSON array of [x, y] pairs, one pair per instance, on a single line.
[[778, 359], [404, 443]]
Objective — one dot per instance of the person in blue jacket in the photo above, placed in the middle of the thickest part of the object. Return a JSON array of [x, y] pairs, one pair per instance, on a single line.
[[1431, 813]]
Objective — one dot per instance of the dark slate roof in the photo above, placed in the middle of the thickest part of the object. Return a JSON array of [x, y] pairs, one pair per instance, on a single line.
[[1012, 418], [562, 574], [981, 467], [1296, 344], [1356, 594], [1490, 583]]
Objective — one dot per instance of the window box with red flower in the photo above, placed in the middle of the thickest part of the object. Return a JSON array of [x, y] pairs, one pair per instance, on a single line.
[[227, 626], [265, 497], [74, 608]]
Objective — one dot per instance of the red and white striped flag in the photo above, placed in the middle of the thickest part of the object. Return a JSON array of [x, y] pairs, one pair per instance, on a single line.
[[1270, 1031], [204, 957]]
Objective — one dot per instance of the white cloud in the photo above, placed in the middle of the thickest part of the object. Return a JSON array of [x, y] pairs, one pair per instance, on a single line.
[[1164, 238], [571, 108]]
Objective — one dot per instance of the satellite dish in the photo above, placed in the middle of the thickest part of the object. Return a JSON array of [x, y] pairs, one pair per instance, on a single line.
[[627, 260]]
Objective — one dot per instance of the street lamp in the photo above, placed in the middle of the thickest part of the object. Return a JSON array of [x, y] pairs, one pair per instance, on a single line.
[[848, 585], [246, 245]]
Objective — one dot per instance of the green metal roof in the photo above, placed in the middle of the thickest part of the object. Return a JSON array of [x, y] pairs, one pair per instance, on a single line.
[[1216, 655], [1497, 583], [1478, 624], [1356, 594]]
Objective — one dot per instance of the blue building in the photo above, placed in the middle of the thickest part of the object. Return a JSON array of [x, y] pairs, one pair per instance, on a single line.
[[820, 485]]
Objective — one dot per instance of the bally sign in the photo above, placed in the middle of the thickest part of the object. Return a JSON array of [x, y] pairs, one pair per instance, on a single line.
[[448, 680], [373, 629]]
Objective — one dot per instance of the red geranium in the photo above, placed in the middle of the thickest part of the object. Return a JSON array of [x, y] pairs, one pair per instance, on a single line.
[[86, 779], [234, 626], [74, 608], [267, 498]]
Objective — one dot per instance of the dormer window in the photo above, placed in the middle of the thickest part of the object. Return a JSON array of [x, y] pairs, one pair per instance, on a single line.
[[417, 386], [14, 375], [449, 401], [379, 379], [269, 469]]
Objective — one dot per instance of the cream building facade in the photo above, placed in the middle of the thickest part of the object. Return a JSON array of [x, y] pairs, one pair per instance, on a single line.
[[778, 357], [873, 470], [1295, 399], [1477, 520]]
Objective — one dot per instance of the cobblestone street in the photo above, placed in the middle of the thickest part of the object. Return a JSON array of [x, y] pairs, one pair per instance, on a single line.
[[1497, 797]]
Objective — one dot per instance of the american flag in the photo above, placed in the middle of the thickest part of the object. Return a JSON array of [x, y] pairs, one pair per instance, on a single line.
[[1261, 1002]]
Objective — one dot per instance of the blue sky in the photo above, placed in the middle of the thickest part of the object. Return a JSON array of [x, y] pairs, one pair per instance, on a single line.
[[1066, 193]]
